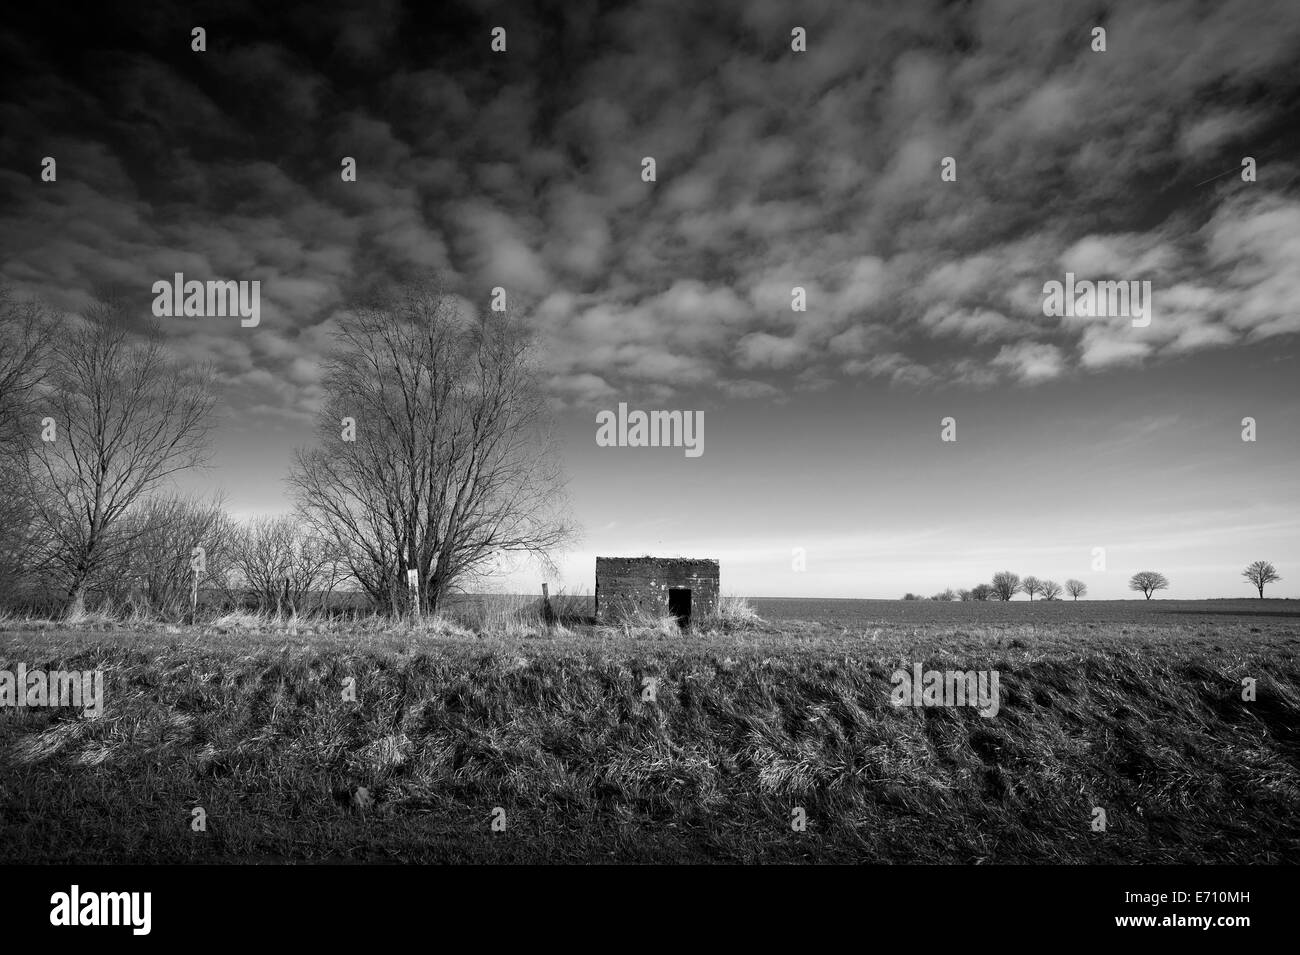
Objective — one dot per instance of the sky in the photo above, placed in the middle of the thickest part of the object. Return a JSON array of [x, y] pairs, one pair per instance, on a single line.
[[823, 470]]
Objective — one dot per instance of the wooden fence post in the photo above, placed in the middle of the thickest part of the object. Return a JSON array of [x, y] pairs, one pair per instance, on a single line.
[[548, 615]]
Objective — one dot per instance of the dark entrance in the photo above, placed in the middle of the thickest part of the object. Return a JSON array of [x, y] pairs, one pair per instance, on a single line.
[[679, 605]]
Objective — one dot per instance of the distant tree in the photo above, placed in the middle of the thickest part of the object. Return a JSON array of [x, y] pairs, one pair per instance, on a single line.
[[1148, 582], [1076, 588], [911, 596], [948, 594], [981, 592], [964, 595], [1051, 590], [1005, 585], [1260, 573], [157, 569], [1031, 585], [282, 562]]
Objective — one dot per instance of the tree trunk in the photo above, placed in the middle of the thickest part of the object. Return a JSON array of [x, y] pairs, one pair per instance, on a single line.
[[76, 600]]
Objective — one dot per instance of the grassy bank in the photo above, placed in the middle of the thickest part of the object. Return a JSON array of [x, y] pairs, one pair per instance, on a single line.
[[1148, 725]]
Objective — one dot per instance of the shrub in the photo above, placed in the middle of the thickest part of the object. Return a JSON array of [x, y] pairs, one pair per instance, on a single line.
[[733, 613]]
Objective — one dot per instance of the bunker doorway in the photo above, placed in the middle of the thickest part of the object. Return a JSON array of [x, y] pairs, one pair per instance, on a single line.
[[679, 605]]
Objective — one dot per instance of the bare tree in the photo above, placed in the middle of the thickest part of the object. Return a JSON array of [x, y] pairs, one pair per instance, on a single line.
[[981, 592], [1075, 588], [1051, 590], [157, 570], [1148, 582], [1259, 573], [947, 594], [1005, 585], [24, 349], [1031, 585], [964, 595], [282, 562], [127, 419], [452, 465]]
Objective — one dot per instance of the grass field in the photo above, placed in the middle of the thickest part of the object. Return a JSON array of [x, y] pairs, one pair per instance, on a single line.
[[1132, 707]]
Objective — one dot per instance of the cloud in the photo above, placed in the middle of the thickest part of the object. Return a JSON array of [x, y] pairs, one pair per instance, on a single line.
[[1031, 362], [897, 368], [582, 389], [761, 350], [1255, 246], [818, 170], [1099, 350], [980, 324]]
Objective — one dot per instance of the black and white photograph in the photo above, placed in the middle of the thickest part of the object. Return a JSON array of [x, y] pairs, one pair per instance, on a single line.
[[651, 433]]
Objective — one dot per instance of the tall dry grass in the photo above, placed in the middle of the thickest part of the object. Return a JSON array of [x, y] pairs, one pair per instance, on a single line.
[[744, 727]]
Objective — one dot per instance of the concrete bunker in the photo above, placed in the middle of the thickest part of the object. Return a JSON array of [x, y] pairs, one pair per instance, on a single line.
[[683, 587]]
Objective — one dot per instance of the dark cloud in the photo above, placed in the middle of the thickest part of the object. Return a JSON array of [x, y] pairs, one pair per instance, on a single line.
[[775, 170]]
